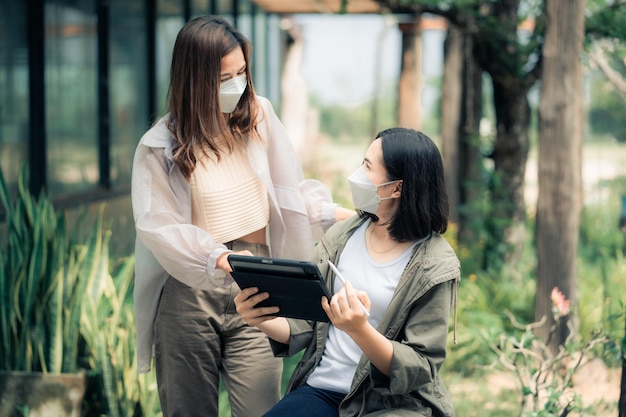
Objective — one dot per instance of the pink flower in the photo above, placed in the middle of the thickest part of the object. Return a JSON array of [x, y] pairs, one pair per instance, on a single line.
[[560, 304]]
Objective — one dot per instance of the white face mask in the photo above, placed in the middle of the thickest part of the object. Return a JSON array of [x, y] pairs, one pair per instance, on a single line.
[[231, 91], [365, 194]]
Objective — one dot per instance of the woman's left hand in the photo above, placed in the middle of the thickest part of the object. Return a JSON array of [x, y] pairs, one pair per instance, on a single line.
[[344, 310], [342, 213]]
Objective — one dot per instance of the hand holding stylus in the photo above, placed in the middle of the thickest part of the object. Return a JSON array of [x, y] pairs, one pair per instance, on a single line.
[[343, 281]]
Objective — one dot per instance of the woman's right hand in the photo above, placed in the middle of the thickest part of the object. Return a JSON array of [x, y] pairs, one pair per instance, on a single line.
[[222, 260], [246, 302]]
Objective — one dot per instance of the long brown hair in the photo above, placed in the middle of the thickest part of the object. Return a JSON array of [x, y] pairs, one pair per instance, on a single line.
[[195, 119]]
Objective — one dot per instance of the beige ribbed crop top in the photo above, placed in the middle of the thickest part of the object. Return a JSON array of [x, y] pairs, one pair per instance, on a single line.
[[227, 199]]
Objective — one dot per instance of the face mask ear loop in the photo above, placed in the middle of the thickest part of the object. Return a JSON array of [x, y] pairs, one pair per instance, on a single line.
[[387, 183]]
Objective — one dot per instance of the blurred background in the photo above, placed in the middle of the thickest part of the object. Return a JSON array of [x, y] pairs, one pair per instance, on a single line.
[[532, 128]]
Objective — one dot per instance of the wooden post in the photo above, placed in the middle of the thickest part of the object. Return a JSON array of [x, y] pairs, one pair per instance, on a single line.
[[410, 83]]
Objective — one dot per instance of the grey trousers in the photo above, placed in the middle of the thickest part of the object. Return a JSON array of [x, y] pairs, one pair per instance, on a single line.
[[199, 337]]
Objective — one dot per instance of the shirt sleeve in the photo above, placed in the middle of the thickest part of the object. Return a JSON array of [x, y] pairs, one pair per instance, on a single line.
[[320, 206], [300, 334], [160, 195], [420, 350], [287, 173]]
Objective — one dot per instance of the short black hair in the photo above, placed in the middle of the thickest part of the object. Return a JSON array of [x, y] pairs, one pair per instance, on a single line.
[[412, 157]]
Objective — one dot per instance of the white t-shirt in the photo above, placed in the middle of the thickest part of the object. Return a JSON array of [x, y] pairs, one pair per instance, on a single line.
[[379, 280]]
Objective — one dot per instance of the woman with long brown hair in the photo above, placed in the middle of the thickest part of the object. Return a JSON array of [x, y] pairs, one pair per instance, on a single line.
[[217, 174]]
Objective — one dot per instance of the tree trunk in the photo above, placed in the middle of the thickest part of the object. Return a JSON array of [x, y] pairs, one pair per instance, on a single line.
[[506, 224], [559, 163], [496, 49], [410, 84], [378, 65], [470, 173], [451, 95], [295, 111], [461, 104]]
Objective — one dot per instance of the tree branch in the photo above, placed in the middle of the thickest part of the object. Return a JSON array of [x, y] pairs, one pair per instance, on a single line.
[[615, 78]]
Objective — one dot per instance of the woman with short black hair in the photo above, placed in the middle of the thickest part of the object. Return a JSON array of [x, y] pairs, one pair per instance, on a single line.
[[383, 361]]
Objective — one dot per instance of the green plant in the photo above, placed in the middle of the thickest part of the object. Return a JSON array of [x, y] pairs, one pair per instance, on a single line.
[[63, 310], [108, 326], [40, 287], [544, 378]]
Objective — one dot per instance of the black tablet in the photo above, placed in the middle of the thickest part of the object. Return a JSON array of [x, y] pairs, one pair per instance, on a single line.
[[297, 287]]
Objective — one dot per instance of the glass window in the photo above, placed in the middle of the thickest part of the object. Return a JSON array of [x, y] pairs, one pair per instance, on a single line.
[[71, 96], [14, 111], [225, 8], [169, 22], [259, 54], [274, 57], [128, 85], [200, 8], [244, 19]]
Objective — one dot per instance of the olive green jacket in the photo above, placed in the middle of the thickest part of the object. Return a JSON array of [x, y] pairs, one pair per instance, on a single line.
[[416, 322]]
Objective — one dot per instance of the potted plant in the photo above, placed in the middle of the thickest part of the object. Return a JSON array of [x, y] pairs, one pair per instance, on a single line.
[[40, 310], [63, 309]]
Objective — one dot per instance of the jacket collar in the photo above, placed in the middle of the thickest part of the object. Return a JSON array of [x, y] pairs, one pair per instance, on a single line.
[[161, 137], [355, 221]]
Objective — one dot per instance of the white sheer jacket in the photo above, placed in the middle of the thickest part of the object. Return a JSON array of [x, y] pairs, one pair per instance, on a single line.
[[168, 244]]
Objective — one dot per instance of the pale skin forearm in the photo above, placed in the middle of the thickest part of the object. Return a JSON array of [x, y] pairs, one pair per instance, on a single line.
[[377, 348], [276, 329]]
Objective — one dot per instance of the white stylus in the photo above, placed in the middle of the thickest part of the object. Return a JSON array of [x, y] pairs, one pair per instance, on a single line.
[[343, 281]]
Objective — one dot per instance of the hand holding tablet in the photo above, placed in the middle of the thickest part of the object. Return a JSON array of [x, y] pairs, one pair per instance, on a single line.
[[296, 287]]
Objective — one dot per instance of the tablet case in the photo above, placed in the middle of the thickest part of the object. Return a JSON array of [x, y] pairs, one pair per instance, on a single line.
[[297, 287]]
